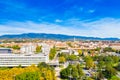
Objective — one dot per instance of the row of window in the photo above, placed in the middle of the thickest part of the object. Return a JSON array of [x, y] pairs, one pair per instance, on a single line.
[[21, 60]]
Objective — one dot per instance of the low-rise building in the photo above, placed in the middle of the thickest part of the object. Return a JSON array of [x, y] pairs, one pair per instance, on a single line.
[[25, 59], [11, 60], [5, 50]]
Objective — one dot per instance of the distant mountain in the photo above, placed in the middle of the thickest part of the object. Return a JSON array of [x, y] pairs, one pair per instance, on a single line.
[[52, 36]]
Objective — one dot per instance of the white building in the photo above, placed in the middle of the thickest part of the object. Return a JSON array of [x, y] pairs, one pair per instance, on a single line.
[[68, 51], [11, 60], [28, 49], [26, 59]]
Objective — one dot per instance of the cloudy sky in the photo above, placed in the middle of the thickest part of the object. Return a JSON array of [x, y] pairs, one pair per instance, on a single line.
[[97, 18]]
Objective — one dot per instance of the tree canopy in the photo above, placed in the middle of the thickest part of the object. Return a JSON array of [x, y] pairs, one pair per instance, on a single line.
[[72, 71], [52, 53], [28, 73], [38, 49]]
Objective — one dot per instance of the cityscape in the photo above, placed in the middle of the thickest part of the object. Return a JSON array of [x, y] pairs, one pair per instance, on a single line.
[[59, 40], [76, 59]]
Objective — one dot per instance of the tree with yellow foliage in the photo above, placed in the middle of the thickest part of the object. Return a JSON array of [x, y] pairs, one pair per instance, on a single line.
[[62, 59]]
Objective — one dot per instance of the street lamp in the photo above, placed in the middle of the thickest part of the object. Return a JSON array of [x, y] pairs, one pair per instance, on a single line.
[[70, 73]]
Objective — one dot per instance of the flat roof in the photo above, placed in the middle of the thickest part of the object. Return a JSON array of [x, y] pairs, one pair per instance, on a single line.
[[4, 48], [6, 54]]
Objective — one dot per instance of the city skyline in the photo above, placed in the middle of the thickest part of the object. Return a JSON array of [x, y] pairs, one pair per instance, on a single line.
[[96, 18]]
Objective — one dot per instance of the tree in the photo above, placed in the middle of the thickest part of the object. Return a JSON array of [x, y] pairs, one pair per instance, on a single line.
[[108, 60], [28, 76], [72, 57], [16, 47], [52, 53], [88, 78], [44, 65], [118, 67], [115, 78], [28, 73], [38, 49], [64, 74], [62, 59], [115, 59], [80, 71], [89, 62], [80, 52], [98, 49], [72, 71], [100, 75], [109, 71], [101, 64], [108, 49]]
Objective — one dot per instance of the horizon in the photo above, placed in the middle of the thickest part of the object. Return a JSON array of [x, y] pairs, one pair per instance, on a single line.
[[58, 34], [96, 18]]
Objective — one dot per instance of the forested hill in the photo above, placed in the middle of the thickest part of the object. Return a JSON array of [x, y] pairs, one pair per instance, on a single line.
[[52, 36]]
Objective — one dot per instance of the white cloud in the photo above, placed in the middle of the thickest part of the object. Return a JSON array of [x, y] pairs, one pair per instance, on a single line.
[[107, 27], [91, 11], [58, 20]]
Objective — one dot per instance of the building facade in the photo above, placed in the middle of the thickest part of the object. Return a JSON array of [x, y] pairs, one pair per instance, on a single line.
[[26, 58], [5, 50], [11, 60]]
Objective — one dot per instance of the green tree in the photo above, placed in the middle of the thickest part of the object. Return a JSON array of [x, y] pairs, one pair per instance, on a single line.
[[89, 62], [16, 47], [115, 78], [115, 59], [108, 49], [43, 65], [38, 49], [109, 71], [80, 71], [100, 75], [73, 71], [108, 60], [52, 53], [118, 67], [101, 64], [88, 78], [64, 74], [98, 49], [72, 57]]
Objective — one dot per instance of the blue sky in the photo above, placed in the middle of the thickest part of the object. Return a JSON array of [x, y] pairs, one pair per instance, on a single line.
[[97, 18]]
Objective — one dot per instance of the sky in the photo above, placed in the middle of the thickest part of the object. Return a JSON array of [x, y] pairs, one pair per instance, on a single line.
[[92, 18]]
